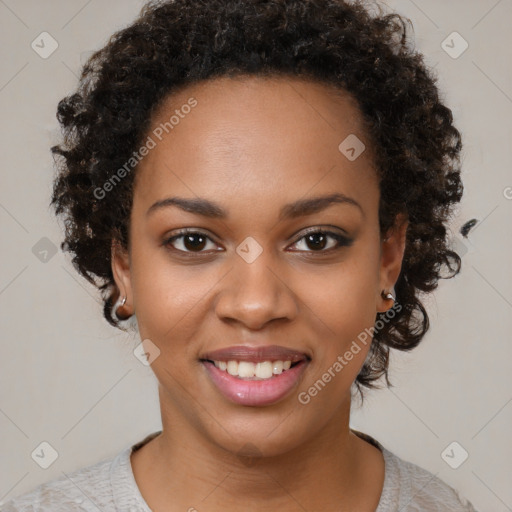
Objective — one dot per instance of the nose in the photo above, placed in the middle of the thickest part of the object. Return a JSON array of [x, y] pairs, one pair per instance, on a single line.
[[255, 294]]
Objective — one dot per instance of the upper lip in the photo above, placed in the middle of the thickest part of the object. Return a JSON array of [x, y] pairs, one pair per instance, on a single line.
[[255, 354]]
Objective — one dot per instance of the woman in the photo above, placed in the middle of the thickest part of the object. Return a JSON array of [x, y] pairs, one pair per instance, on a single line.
[[264, 188]]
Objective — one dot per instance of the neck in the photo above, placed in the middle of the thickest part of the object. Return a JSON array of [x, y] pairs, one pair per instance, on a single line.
[[180, 463]]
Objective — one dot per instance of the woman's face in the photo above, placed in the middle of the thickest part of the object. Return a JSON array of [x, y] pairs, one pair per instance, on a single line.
[[253, 166]]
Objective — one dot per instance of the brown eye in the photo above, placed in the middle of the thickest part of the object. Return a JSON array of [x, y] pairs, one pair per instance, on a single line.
[[315, 241], [189, 241], [194, 242], [318, 241]]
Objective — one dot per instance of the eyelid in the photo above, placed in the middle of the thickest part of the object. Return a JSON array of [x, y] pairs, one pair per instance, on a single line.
[[343, 240], [183, 232], [323, 229]]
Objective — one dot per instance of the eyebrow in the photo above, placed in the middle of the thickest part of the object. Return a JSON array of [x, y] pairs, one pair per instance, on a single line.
[[300, 208]]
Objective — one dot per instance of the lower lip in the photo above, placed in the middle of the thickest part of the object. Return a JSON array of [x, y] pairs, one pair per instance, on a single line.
[[255, 392]]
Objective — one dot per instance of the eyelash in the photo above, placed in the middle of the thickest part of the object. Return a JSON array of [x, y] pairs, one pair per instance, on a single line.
[[341, 240]]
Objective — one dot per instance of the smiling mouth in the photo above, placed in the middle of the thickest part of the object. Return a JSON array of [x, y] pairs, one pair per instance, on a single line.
[[254, 383], [249, 370]]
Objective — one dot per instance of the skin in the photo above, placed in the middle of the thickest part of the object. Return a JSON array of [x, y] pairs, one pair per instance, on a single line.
[[253, 145]]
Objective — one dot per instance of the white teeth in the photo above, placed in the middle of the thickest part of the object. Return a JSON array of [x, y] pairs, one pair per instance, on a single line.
[[278, 367], [232, 368], [248, 370], [245, 369], [264, 370]]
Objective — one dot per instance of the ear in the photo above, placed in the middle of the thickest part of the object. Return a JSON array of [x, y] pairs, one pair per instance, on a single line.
[[392, 253], [120, 260]]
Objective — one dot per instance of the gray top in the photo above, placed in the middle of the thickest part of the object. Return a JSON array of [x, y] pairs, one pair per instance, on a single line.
[[109, 485]]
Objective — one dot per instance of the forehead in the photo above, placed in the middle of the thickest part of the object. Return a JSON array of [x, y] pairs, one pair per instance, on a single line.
[[257, 139]]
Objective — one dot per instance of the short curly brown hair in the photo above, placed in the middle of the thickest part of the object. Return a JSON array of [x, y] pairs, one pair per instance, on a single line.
[[175, 43]]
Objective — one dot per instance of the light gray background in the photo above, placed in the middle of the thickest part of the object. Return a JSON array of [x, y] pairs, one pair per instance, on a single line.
[[68, 378]]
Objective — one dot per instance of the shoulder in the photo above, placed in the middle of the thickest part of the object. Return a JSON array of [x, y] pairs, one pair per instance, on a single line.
[[411, 488], [81, 490], [416, 489]]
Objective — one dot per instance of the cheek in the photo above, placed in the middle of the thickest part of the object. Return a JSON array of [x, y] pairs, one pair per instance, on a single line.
[[168, 299], [347, 311], [344, 310], [346, 305], [344, 298]]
